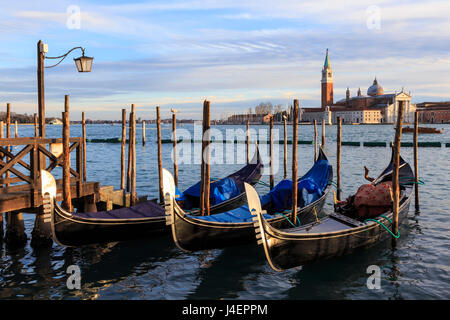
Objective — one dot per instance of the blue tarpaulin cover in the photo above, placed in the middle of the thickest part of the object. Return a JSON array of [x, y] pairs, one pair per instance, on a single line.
[[310, 188], [220, 190]]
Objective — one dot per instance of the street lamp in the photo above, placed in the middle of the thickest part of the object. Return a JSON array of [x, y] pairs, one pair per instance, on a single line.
[[83, 64]]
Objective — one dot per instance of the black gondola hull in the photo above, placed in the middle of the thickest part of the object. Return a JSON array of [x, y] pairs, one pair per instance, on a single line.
[[286, 254], [191, 234], [70, 231], [333, 236]]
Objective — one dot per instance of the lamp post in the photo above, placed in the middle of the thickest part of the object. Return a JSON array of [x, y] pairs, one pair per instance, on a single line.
[[83, 64]]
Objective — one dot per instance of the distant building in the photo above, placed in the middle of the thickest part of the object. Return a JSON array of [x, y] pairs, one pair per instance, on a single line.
[[374, 107], [253, 118], [433, 112]]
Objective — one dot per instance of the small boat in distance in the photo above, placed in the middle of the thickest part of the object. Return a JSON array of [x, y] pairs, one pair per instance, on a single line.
[[421, 130], [337, 234]]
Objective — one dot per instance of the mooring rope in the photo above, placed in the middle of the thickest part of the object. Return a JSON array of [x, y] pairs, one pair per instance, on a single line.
[[381, 224]]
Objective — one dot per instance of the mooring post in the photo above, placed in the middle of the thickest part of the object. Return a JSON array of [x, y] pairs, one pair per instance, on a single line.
[[338, 158], [16, 131], [315, 140], [158, 132], [175, 159], [133, 156], [1, 158], [8, 134], [395, 169], [247, 141], [416, 162], [122, 151], [294, 162], [143, 132], [323, 133], [15, 229], [285, 145], [83, 136], [130, 158], [36, 132], [67, 198], [271, 152], [207, 165], [202, 167]]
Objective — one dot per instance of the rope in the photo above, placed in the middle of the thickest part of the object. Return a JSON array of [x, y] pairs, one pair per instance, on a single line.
[[289, 211], [288, 220], [381, 224], [409, 181], [264, 184]]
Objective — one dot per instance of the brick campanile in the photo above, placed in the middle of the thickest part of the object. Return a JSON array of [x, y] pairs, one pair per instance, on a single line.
[[327, 83]]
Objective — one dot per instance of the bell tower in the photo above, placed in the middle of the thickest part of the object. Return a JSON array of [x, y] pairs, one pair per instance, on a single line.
[[327, 83]]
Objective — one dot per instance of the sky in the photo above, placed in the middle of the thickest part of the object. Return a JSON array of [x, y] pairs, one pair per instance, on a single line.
[[233, 53]]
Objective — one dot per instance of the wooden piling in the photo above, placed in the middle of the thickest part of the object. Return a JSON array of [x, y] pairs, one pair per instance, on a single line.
[[271, 153], [133, 157], [285, 146], [395, 169], [416, 161], [294, 162], [67, 198], [338, 157], [247, 141], [158, 131], [8, 134], [83, 136], [315, 140], [206, 153], [323, 133], [202, 166], [1, 158], [15, 229], [16, 130], [122, 151], [143, 132], [175, 158], [130, 159], [36, 132]]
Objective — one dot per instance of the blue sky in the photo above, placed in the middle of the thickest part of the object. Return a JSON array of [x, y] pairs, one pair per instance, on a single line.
[[234, 53]]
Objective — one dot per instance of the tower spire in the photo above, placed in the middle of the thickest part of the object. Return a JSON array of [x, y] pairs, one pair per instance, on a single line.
[[327, 61], [327, 83]]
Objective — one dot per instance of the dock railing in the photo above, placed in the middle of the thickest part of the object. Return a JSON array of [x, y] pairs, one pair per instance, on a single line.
[[18, 175]]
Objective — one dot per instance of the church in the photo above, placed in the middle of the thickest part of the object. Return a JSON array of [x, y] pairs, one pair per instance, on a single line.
[[373, 107]]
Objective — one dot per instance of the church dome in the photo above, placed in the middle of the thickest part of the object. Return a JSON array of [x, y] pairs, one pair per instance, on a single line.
[[375, 89]]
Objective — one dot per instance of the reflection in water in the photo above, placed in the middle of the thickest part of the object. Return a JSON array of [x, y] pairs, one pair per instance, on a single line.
[[224, 276]]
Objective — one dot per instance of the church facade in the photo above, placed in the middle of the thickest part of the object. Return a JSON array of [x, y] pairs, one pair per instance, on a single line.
[[373, 107]]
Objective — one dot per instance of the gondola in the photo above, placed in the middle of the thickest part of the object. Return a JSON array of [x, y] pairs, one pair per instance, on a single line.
[[337, 234], [143, 219], [192, 233]]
